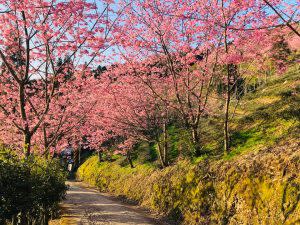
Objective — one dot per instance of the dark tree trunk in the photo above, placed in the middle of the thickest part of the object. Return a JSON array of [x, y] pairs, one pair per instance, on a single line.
[[14, 220], [227, 103], [100, 156], [79, 155], [27, 144], [46, 144], [196, 141], [160, 154], [165, 144], [128, 156], [226, 113]]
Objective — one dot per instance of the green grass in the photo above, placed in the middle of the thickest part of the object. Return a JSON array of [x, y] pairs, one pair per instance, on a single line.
[[267, 117]]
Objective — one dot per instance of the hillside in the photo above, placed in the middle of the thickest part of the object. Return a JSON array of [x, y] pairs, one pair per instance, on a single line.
[[268, 117], [256, 183]]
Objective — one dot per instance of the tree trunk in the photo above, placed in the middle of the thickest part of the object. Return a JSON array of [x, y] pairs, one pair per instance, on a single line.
[[14, 220], [227, 103], [27, 144], [26, 130], [22, 218], [165, 146], [226, 119], [77, 159], [160, 154], [128, 156], [46, 218], [100, 156], [196, 140], [46, 154], [46, 145], [79, 155]]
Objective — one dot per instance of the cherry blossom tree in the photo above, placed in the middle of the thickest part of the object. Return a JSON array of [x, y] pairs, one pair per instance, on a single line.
[[155, 36], [125, 110], [170, 55], [34, 35], [175, 33]]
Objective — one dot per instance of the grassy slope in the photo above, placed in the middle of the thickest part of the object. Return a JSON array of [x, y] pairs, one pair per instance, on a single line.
[[263, 119], [257, 183], [270, 116]]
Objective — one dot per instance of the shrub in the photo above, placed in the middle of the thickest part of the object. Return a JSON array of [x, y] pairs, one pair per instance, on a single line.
[[30, 189]]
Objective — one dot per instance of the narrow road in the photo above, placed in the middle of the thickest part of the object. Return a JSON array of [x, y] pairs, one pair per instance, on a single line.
[[87, 206]]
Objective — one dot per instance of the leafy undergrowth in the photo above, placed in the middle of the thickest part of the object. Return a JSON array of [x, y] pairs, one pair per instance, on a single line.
[[30, 189], [258, 182]]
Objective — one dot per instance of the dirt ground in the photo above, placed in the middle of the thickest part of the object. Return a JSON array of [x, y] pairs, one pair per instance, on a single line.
[[84, 205]]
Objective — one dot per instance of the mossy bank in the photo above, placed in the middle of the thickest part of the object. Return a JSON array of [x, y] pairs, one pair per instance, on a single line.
[[255, 188]]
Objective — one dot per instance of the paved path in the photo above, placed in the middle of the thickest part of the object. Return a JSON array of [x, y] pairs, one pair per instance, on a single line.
[[87, 206]]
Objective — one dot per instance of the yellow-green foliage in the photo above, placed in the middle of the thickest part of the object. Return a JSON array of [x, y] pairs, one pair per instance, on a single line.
[[254, 188]]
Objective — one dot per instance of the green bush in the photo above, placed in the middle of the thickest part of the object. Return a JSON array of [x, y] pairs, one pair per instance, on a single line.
[[30, 189]]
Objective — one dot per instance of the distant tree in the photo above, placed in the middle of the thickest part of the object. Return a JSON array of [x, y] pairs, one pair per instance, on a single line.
[[280, 52]]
